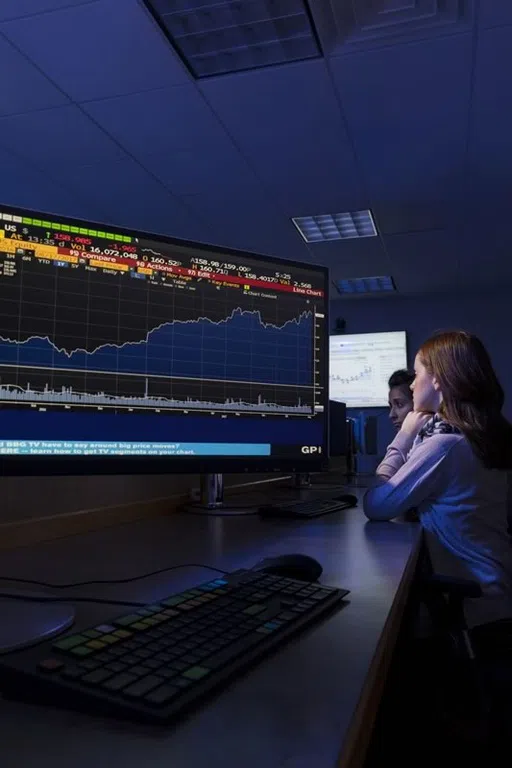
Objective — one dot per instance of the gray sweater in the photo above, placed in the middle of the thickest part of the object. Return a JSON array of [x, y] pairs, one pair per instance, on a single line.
[[462, 507]]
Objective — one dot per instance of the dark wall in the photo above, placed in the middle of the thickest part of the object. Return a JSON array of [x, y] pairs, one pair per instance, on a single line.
[[489, 316]]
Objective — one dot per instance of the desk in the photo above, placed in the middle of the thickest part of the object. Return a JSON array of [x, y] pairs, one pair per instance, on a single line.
[[307, 706]]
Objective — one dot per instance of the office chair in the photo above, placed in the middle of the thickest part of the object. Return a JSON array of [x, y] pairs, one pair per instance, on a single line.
[[474, 666]]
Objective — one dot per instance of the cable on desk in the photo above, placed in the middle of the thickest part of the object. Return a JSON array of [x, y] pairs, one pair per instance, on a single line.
[[70, 599], [112, 581]]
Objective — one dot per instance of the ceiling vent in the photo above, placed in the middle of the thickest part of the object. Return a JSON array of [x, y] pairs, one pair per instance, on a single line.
[[216, 38], [361, 24], [358, 286], [336, 226]]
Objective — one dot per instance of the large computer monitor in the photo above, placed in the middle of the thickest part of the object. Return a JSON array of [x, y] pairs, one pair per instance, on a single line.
[[122, 351], [360, 365]]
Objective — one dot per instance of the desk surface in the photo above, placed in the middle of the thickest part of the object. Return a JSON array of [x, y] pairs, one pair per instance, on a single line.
[[296, 709]]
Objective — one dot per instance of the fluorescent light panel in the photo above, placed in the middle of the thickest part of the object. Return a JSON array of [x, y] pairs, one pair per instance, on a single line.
[[215, 37], [336, 226], [363, 285]]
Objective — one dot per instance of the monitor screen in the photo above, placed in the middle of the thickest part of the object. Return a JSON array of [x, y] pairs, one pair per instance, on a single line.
[[174, 356], [360, 365]]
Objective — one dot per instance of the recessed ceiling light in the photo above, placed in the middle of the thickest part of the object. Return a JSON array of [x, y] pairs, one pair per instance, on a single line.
[[336, 226], [214, 37], [359, 285]]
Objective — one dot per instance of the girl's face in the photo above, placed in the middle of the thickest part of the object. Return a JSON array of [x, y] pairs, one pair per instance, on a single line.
[[426, 393], [400, 404]]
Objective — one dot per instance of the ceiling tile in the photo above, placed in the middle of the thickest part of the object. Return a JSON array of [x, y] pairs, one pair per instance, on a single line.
[[100, 49], [26, 187], [353, 258], [55, 137], [243, 217], [203, 169], [287, 123], [15, 9], [407, 110], [494, 13], [158, 120], [131, 197], [424, 262], [26, 89]]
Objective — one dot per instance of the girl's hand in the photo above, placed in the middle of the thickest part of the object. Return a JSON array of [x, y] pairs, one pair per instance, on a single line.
[[413, 422]]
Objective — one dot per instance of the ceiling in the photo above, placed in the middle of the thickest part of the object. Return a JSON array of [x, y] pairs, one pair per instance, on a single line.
[[406, 113]]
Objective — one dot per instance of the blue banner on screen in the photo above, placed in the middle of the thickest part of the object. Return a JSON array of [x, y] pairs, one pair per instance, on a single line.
[[77, 448]]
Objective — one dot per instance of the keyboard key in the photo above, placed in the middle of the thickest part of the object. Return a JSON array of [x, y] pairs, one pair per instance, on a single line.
[[139, 671], [50, 665], [73, 673], [125, 621], [142, 654], [232, 651], [321, 594], [117, 650], [104, 657], [172, 601], [143, 686], [118, 682], [110, 639], [90, 664], [162, 695], [105, 628], [196, 673], [152, 663], [96, 645], [68, 643], [167, 673], [116, 666], [81, 650], [97, 676]]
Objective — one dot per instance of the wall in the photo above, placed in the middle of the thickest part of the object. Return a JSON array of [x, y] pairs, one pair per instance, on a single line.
[[486, 315], [23, 499], [34, 497]]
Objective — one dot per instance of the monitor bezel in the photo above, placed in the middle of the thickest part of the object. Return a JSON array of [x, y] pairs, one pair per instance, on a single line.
[[149, 465]]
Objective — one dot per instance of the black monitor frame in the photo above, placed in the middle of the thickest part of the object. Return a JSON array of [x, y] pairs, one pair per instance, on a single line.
[[150, 465]]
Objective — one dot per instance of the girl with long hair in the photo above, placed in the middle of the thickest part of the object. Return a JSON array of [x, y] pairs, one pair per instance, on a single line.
[[450, 461]]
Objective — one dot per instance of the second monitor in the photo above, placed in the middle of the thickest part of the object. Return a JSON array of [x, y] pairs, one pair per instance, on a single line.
[[360, 365]]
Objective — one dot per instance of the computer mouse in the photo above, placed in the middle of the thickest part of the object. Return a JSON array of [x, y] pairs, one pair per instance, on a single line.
[[300, 567]]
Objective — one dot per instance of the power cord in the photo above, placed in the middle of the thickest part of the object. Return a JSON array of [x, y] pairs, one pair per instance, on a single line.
[[111, 581], [41, 599]]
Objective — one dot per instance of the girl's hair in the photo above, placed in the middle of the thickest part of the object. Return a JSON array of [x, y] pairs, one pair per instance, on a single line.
[[402, 379], [472, 395]]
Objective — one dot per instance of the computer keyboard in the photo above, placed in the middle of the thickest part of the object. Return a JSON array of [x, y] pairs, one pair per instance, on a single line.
[[308, 509], [155, 662]]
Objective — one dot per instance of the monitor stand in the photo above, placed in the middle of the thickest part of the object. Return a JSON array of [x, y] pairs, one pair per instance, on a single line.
[[212, 499], [24, 623]]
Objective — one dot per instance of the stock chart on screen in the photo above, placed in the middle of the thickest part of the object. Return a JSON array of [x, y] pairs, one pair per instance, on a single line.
[[103, 330]]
